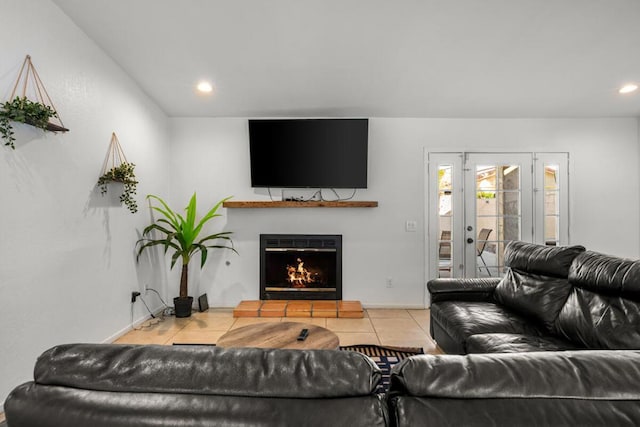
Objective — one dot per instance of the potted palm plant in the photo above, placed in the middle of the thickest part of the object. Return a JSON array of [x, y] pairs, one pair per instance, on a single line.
[[182, 235]]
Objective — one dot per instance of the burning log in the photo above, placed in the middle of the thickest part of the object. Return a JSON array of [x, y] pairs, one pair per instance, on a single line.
[[299, 276]]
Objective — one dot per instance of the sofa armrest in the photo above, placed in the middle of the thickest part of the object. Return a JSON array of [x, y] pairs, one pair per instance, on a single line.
[[462, 289]]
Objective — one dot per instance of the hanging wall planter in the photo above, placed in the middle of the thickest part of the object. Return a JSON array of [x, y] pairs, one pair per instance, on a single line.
[[39, 113], [117, 169]]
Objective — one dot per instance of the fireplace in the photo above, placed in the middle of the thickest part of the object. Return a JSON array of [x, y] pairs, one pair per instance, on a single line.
[[300, 267]]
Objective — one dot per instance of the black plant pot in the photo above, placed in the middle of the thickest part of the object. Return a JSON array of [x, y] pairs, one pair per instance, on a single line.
[[183, 306]]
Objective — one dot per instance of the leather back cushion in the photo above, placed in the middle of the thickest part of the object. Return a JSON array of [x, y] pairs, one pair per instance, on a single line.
[[600, 321], [539, 259], [606, 274], [536, 282], [581, 374], [540, 297], [248, 372], [602, 310]]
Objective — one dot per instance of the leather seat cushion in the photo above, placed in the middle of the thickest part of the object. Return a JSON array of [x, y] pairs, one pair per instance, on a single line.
[[515, 343], [462, 319]]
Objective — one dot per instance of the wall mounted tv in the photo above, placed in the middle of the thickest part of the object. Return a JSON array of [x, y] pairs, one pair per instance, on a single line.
[[309, 153]]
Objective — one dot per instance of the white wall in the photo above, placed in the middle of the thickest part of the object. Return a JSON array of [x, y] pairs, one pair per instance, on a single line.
[[211, 156], [67, 266]]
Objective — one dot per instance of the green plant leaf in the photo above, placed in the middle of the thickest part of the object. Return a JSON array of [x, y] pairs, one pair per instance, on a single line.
[[149, 243], [157, 227], [167, 212], [211, 214], [189, 232], [177, 254], [222, 247]]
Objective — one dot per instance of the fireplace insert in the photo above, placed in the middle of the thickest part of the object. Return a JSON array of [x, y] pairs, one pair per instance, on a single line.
[[300, 267]]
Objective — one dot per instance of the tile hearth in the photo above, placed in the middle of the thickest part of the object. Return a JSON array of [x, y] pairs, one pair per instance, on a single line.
[[390, 327], [299, 308]]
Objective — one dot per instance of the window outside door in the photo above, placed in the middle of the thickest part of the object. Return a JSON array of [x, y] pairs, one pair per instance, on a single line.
[[478, 202]]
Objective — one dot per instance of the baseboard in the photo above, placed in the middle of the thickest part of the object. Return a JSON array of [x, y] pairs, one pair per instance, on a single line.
[[395, 306], [368, 305], [129, 328]]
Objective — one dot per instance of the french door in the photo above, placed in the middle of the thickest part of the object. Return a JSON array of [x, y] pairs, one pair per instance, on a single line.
[[478, 202]]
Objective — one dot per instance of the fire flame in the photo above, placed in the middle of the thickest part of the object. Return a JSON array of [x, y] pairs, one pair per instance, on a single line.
[[299, 276]]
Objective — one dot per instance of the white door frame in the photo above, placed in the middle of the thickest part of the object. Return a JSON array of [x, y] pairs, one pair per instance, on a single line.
[[533, 229]]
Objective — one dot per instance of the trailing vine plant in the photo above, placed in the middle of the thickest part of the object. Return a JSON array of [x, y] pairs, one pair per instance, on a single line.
[[23, 110], [122, 173]]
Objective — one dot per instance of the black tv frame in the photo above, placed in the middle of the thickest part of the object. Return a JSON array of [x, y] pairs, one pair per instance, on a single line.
[[292, 175]]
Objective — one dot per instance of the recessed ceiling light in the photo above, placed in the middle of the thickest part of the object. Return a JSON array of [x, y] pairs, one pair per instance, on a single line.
[[204, 87], [628, 88]]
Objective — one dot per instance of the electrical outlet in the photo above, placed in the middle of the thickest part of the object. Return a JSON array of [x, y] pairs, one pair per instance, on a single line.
[[134, 296], [389, 282], [411, 226]]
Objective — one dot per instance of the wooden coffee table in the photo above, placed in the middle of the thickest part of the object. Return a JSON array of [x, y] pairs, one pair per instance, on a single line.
[[279, 335]]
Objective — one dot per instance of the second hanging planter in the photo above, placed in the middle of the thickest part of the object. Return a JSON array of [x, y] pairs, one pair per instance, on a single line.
[[117, 169]]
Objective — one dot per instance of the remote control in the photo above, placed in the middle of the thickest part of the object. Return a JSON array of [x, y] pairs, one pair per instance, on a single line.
[[303, 334]]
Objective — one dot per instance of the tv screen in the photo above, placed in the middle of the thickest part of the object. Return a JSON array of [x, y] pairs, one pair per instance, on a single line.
[[309, 153]]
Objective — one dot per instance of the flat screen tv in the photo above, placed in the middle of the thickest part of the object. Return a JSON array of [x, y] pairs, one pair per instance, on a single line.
[[309, 153]]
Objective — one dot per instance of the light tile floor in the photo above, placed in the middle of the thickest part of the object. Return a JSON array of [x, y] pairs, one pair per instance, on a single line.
[[391, 327]]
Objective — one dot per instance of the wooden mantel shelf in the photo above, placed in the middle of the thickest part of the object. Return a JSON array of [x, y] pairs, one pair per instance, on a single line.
[[314, 204]]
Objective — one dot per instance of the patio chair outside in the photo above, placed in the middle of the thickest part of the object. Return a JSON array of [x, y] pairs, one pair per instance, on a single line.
[[481, 244]]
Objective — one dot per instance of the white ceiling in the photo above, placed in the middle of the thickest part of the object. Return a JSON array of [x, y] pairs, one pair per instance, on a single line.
[[374, 58]]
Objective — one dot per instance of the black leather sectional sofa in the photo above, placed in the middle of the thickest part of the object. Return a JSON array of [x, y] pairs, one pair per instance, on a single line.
[[551, 298], [97, 385], [551, 344]]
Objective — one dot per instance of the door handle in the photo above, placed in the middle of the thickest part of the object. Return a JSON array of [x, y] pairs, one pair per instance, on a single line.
[[469, 240]]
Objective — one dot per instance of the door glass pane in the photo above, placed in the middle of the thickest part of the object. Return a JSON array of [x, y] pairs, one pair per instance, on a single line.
[[551, 230], [551, 205], [510, 177], [511, 228], [498, 216], [445, 203]]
